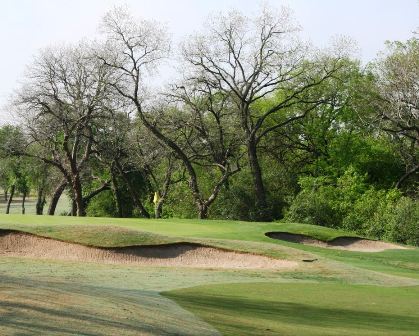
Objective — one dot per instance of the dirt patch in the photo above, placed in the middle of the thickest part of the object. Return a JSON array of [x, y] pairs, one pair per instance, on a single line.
[[340, 243], [13, 243]]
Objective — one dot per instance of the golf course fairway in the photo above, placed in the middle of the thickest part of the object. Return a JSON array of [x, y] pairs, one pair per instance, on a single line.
[[300, 289]]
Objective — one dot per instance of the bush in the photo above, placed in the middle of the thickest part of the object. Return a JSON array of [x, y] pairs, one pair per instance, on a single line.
[[403, 222], [314, 207], [324, 200], [385, 215], [348, 203], [360, 218]]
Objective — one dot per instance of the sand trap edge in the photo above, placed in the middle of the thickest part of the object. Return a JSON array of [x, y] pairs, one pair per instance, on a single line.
[[347, 243], [180, 254]]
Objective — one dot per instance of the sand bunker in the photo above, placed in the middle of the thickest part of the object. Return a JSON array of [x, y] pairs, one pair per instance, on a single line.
[[14, 243], [341, 243]]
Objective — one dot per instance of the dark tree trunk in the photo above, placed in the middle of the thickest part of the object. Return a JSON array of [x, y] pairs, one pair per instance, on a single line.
[[40, 201], [136, 199], [133, 193], [264, 213], [159, 200], [5, 195], [9, 202], [158, 208], [116, 194], [73, 208], [23, 203], [56, 197], [94, 193], [78, 196], [202, 211]]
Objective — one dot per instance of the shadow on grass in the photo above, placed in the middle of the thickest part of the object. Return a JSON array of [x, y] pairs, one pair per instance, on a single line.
[[243, 316]]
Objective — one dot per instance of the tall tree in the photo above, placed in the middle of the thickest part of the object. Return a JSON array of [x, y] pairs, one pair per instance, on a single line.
[[132, 49], [249, 59], [60, 103], [397, 99]]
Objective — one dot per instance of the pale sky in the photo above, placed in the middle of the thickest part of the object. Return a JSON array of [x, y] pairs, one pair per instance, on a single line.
[[29, 25]]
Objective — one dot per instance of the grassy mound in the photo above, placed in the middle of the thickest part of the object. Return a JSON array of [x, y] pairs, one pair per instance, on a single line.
[[94, 235]]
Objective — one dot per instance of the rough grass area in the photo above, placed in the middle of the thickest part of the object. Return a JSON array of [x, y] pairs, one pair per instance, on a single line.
[[303, 309]]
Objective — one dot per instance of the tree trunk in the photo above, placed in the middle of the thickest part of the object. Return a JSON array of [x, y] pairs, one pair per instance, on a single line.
[[9, 202], [56, 197], [40, 201], [23, 203], [73, 208], [202, 211], [78, 196], [264, 213], [94, 193], [5, 195], [158, 208], [136, 199], [193, 179], [116, 194], [159, 200]]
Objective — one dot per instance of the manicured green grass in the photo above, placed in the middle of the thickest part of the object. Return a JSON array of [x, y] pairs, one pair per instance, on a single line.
[[303, 309]]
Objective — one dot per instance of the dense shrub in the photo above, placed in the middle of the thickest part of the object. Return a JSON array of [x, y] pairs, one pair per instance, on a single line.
[[370, 213], [314, 206], [324, 200], [347, 202], [404, 222]]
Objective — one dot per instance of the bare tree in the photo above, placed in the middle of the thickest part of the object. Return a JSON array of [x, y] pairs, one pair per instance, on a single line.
[[251, 60], [60, 102]]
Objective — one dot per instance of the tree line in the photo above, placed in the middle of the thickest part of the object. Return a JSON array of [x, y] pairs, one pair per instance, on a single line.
[[256, 124]]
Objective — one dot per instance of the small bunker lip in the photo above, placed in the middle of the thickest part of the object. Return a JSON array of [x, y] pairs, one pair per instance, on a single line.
[[189, 254], [350, 243], [4, 232], [297, 237]]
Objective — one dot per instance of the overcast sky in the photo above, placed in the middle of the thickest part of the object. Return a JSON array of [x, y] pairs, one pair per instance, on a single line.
[[28, 25]]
